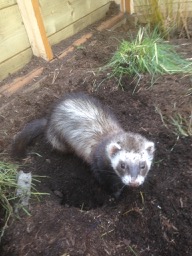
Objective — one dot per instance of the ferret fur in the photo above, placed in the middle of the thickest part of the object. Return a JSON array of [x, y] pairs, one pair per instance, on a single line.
[[83, 125]]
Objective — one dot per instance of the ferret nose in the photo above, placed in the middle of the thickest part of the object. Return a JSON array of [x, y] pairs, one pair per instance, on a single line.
[[134, 183]]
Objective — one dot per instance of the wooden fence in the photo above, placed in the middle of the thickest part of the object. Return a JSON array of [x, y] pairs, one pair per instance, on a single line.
[[31, 27], [171, 9], [14, 44]]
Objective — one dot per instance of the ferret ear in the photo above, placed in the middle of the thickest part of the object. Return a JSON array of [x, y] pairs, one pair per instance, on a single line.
[[150, 147], [112, 149]]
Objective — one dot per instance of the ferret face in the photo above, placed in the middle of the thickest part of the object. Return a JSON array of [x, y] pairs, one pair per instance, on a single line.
[[130, 165]]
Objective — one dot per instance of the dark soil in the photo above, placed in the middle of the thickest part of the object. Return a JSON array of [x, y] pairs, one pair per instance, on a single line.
[[79, 217]]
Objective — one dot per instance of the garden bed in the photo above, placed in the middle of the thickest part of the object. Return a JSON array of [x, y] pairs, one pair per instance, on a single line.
[[79, 218]]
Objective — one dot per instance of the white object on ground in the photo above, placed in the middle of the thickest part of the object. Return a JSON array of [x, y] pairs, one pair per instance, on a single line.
[[24, 187]]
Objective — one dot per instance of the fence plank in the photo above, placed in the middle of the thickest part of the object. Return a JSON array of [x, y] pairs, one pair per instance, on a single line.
[[15, 63], [13, 33], [32, 19], [6, 3], [60, 14], [78, 25]]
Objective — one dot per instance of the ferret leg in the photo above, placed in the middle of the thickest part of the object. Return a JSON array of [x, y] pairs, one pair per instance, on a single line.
[[58, 144], [109, 182]]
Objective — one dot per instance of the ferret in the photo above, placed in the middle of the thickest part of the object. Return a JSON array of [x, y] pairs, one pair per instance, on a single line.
[[81, 124]]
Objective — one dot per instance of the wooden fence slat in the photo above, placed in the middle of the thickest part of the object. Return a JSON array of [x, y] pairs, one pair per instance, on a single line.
[[12, 33], [77, 26], [15, 63], [32, 19], [6, 3], [60, 14], [127, 6]]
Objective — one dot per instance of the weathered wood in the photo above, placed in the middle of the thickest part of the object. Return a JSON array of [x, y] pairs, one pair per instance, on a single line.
[[15, 63], [32, 19], [127, 6], [111, 22], [172, 10], [62, 19], [6, 3], [59, 14], [13, 33], [79, 25], [174, 4], [21, 82]]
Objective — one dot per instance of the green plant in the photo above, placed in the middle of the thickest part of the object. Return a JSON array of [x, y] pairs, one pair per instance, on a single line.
[[8, 185], [9, 192], [179, 124], [132, 250], [182, 125], [149, 54]]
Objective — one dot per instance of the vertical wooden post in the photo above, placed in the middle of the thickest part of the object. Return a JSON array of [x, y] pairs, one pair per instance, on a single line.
[[127, 6], [31, 15]]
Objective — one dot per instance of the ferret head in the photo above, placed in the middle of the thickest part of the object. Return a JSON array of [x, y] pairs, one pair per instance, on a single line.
[[131, 156]]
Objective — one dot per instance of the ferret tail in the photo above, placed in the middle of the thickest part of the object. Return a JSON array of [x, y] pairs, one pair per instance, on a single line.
[[24, 138]]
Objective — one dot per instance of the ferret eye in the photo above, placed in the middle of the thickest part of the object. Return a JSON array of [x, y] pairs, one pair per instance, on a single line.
[[142, 165], [122, 165]]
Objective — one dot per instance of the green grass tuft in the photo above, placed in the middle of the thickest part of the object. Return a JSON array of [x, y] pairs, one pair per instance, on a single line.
[[182, 125], [8, 187], [149, 54], [177, 123]]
